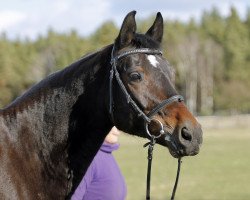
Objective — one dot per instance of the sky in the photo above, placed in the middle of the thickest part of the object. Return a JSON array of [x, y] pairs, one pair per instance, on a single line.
[[29, 18]]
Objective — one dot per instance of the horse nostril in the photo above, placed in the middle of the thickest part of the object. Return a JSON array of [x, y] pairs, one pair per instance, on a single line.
[[185, 133]]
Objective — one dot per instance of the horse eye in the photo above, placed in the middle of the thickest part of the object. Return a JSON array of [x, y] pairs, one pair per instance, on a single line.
[[135, 76]]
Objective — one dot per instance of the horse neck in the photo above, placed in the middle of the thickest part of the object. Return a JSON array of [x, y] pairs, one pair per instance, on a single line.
[[57, 110], [35, 127], [52, 100], [44, 109], [89, 120]]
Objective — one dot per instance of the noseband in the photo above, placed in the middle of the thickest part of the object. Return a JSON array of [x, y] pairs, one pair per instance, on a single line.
[[148, 118]]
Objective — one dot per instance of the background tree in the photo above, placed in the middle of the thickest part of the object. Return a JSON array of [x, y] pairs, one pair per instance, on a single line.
[[211, 59]]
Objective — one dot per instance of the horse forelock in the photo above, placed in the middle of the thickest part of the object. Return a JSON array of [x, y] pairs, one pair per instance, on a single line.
[[145, 41]]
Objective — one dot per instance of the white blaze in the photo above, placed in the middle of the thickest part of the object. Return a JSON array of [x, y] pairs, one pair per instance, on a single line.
[[152, 60]]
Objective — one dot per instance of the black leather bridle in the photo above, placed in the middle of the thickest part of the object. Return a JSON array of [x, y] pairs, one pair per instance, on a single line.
[[148, 118]]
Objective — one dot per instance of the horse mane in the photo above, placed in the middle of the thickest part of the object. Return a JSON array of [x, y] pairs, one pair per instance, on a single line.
[[61, 79]]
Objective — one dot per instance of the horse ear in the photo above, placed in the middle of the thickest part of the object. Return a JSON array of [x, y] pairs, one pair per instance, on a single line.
[[127, 31], [156, 30]]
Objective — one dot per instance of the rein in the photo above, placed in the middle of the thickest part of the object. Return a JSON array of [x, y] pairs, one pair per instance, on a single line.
[[150, 158], [148, 118]]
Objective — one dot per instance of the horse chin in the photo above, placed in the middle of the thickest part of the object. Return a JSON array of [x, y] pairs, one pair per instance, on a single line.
[[180, 152], [174, 154]]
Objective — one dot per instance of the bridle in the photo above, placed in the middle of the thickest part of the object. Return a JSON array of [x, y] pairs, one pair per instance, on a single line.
[[148, 118]]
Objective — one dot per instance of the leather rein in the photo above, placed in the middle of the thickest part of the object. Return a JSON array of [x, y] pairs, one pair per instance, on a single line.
[[148, 118]]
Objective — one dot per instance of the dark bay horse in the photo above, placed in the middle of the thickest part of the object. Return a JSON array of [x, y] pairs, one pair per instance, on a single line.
[[49, 135]]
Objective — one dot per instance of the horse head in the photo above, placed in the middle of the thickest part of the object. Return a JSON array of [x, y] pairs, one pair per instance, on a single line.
[[143, 99]]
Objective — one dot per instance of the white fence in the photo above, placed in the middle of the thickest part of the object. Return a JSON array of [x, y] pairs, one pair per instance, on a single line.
[[217, 122]]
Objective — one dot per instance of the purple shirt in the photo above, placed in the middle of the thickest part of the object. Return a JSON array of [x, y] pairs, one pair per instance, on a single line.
[[103, 179]]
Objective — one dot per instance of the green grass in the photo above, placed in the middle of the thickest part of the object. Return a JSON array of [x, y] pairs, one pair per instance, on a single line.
[[220, 172]]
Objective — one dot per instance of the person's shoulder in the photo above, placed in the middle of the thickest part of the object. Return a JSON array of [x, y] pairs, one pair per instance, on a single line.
[[108, 148]]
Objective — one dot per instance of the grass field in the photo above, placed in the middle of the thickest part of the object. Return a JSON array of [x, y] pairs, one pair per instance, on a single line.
[[220, 172]]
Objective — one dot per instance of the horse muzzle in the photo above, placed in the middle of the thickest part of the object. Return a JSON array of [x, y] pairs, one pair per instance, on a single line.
[[184, 141]]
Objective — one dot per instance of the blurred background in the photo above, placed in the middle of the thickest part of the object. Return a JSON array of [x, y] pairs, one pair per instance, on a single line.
[[208, 44]]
